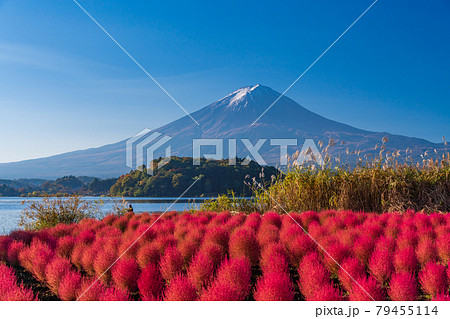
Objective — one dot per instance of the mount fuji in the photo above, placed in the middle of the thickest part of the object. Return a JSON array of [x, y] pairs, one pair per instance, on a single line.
[[229, 118]]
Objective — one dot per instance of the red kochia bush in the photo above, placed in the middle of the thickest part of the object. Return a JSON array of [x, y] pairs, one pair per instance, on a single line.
[[333, 255], [433, 279], [253, 221], [69, 286], [201, 270], [271, 218], [443, 247], [267, 234], [22, 235], [312, 274], [14, 250], [274, 286], [218, 235], [188, 248], [86, 236], [171, 263], [299, 246], [164, 242], [5, 241], [114, 294], [363, 248], [232, 282], [273, 259], [325, 292], [102, 263], [221, 291], [403, 287], [214, 252], [88, 258], [243, 243], [235, 221], [65, 246], [47, 238], [426, 251], [380, 265], [289, 232], [441, 297], [55, 271], [364, 289], [76, 255], [405, 260], [90, 290], [180, 289], [40, 256], [10, 290], [352, 269], [408, 239], [125, 274], [148, 254], [151, 283]]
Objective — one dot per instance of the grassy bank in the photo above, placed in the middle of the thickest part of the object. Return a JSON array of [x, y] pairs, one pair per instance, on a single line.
[[379, 186]]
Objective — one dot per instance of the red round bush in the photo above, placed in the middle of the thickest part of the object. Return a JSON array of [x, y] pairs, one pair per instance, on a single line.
[[125, 274], [274, 286], [90, 290], [171, 263], [243, 243], [433, 279], [14, 250], [326, 292], [273, 259], [381, 265], [333, 256], [201, 270], [55, 271], [352, 269], [312, 274], [403, 287], [5, 241], [180, 289], [271, 218], [114, 294], [364, 289], [443, 247], [151, 283], [65, 246], [148, 254], [363, 248], [69, 286], [267, 234], [426, 251], [103, 263], [235, 274], [218, 235]]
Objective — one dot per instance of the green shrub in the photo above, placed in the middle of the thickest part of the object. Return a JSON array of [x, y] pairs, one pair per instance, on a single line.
[[60, 210]]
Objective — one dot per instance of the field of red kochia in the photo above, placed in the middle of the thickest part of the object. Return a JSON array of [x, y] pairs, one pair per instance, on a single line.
[[224, 256]]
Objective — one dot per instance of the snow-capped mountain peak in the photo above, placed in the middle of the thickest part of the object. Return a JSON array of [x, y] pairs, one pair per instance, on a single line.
[[255, 96]]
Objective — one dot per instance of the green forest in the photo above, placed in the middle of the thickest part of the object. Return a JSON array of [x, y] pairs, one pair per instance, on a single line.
[[171, 180], [215, 177]]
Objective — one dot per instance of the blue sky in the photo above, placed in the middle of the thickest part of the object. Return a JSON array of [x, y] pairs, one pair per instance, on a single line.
[[64, 85]]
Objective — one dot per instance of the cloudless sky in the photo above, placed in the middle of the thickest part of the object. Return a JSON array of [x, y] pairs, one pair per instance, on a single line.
[[64, 85]]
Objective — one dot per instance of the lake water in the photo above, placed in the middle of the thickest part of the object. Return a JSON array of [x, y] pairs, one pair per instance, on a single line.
[[10, 207]]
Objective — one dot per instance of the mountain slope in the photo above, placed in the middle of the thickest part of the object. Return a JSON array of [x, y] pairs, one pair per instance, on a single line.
[[229, 118]]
